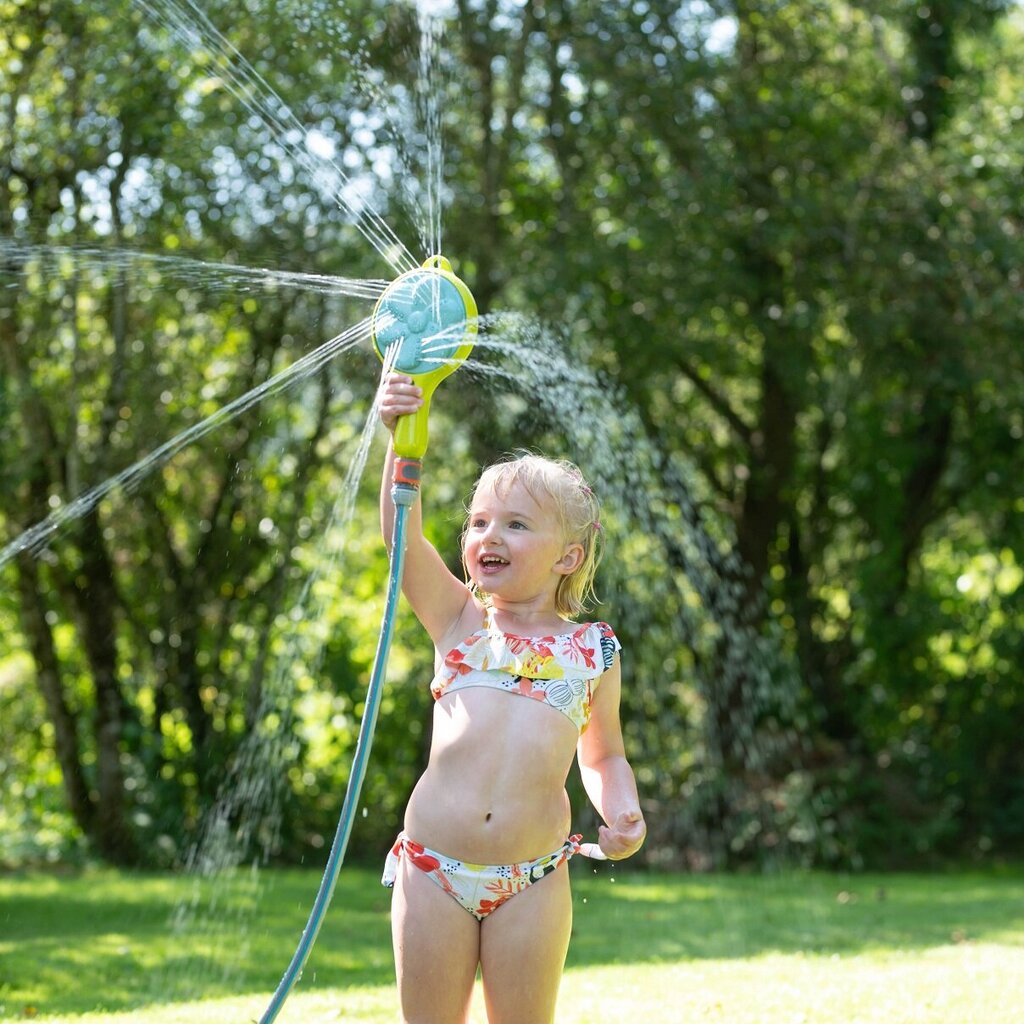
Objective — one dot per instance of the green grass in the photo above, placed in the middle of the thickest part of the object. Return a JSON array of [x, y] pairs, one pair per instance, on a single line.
[[790, 949]]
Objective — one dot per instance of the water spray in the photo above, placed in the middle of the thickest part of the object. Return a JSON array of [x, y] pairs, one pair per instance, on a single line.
[[424, 325]]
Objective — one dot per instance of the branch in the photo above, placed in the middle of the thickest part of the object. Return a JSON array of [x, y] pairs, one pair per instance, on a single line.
[[743, 431]]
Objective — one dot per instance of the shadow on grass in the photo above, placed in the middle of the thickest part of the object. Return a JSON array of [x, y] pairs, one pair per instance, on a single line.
[[104, 940], [108, 941], [629, 917]]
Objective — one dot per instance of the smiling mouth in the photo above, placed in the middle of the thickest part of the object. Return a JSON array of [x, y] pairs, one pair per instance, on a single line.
[[492, 561]]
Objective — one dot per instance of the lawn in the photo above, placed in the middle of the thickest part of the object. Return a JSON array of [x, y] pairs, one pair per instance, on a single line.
[[797, 948]]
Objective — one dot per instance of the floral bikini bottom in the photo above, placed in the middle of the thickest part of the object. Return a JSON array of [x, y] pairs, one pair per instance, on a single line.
[[479, 888]]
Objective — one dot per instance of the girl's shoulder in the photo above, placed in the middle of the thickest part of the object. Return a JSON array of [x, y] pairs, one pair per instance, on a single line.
[[468, 623]]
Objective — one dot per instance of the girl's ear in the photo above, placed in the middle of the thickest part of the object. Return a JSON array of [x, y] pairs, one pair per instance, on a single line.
[[571, 560]]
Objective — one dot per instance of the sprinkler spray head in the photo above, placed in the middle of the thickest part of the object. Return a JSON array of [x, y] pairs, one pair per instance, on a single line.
[[430, 315]]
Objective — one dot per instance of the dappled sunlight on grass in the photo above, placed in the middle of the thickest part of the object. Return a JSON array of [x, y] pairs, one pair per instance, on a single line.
[[969, 984], [965, 984], [781, 949], [78, 943], [351, 1004], [742, 916]]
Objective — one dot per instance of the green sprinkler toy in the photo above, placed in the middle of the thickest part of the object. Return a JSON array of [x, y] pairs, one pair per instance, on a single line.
[[430, 315]]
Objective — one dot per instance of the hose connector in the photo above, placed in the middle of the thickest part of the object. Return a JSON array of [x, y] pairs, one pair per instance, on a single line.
[[405, 481]]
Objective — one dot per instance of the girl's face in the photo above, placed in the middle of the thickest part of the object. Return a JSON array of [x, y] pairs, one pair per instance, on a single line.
[[513, 546]]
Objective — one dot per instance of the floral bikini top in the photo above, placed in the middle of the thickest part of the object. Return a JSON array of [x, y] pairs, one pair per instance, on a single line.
[[561, 671]]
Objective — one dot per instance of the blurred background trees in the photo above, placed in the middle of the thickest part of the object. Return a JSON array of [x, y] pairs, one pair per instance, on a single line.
[[786, 237]]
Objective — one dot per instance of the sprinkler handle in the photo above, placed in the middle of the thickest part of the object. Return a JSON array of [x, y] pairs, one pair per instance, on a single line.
[[411, 431]]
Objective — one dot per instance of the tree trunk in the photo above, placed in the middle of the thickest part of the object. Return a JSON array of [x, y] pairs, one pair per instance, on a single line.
[[48, 678], [94, 597]]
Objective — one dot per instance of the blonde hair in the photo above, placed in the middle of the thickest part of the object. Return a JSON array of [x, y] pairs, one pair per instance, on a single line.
[[578, 510]]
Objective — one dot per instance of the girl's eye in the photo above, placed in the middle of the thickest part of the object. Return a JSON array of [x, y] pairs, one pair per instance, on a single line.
[[517, 525]]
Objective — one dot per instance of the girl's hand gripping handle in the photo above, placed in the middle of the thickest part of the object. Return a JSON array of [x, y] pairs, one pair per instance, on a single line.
[[400, 396]]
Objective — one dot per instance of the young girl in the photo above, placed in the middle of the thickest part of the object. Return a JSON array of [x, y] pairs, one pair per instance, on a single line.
[[479, 871]]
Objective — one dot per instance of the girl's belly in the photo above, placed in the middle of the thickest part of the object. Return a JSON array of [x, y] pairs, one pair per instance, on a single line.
[[494, 788]]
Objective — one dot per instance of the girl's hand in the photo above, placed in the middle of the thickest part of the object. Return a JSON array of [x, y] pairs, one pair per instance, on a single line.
[[399, 396], [623, 838]]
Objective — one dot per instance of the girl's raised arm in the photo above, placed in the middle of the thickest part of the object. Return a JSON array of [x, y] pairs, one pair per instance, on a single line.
[[437, 596]]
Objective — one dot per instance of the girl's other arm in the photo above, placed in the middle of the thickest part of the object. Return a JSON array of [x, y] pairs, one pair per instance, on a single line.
[[436, 596], [606, 773]]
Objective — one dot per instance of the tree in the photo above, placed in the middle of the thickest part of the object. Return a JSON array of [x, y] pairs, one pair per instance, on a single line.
[[757, 265], [765, 214], [131, 616]]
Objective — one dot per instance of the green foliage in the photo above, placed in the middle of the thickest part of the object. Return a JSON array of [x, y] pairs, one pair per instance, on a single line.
[[783, 241], [34, 824]]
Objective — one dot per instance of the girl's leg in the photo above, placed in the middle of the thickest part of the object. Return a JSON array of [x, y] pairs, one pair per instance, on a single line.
[[437, 949], [522, 952]]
